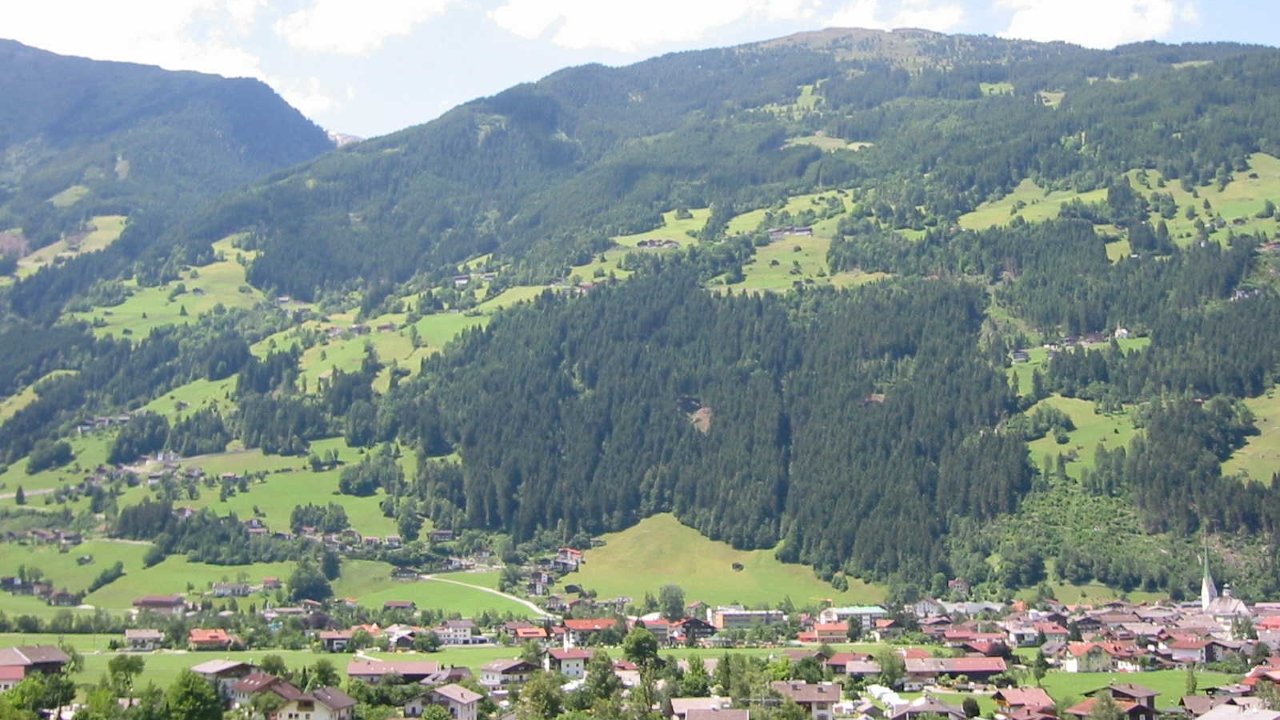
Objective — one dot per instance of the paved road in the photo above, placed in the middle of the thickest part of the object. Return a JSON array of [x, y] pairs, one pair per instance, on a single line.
[[537, 610]]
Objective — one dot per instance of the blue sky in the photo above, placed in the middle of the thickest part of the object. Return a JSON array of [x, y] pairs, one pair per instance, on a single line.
[[369, 67]]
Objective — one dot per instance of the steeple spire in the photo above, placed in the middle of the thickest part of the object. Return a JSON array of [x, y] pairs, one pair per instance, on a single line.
[[1208, 591]]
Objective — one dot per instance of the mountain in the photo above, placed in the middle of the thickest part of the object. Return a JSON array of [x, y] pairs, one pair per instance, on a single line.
[[902, 306], [81, 137], [544, 172]]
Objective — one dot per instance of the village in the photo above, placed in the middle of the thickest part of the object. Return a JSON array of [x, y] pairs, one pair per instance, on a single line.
[[932, 658]]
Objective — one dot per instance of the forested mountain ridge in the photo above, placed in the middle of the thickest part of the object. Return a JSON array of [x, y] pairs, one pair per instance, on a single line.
[[545, 172], [81, 138], [904, 306]]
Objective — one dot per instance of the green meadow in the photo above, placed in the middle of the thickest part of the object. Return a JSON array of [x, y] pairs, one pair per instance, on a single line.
[[1092, 429], [105, 229], [371, 584], [89, 451], [221, 283], [683, 231], [65, 569], [659, 551], [11, 405], [177, 574], [778, 266], [1033, 203], [1171, 684], [1259, 459]]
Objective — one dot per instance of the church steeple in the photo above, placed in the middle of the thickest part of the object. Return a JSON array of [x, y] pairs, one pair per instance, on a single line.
[[1208, 591]]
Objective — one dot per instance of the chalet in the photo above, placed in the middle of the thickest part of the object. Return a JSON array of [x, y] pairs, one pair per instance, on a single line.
[[335, 640], [33, 659], [578, 630], [568, 559], [826, 633], [440, 536], [1133, 701], [462, 704], [572, 662], [1010, 699], [681, 706], [324, 703], [224, 674], [161, 604], [927, 707], [691, 630], [230, 590], [10, 676], [406, 605], [924, 671], [817, 699], [271, 583], [205, 639], [501, 673], [531, 634], [143, 639], [373, 671]]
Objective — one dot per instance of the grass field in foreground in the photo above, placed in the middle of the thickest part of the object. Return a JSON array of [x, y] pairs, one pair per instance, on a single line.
[[1259, 459], [659, 551], [1171, 684]]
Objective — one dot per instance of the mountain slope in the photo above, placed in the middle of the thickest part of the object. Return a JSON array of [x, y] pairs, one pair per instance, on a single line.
[[544, 172], [124, 136]]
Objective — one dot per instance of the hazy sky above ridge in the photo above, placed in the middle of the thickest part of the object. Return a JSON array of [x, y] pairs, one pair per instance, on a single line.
[[369, 67]]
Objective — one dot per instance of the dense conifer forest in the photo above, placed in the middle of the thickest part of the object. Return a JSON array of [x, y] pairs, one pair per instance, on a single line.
[[879, 429]]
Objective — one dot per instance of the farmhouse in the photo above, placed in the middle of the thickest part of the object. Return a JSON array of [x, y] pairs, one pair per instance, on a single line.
[[501, 673], [16, 663], [209, 639], [143, 639], [161, 604], [224, 674], [372, 671], [572, 663], [461, 703], [817, 699]]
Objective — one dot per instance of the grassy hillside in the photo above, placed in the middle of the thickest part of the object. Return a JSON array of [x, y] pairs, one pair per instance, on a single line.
[[659, 551], [1259, 459], [371, 584]]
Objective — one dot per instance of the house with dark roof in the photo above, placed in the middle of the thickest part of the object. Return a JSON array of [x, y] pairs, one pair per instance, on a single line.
[[462, 703], [501, 673], [817, 699], [161, 604], [16, 663], [373, 671]]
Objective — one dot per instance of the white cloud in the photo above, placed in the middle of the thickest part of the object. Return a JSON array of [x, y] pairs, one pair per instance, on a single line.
[[927, 14], [175, 34], [632, 26], [355, 27], [308, 95], [1095, 23]]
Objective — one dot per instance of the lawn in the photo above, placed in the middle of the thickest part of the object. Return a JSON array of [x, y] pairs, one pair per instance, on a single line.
[[274, 499], [1034, 204], [659, 550], [89, 451], [682, 231], [776, 267], [1171, 684], [221, 283], [63, 568], [371, 584], [1092, 429], [163, 667], [195, 395], [1259, 459], [176, 574]]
